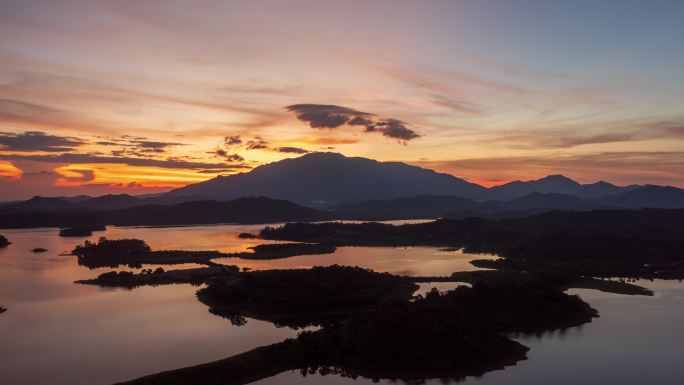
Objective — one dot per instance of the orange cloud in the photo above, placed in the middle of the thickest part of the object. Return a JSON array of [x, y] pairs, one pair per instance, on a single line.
[[9, 171], [327, 140], [123, 175]]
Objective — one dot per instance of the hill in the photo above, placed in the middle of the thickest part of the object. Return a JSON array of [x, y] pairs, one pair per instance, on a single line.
[[325, 179], [243, 210], [648, 196], [422, 206]]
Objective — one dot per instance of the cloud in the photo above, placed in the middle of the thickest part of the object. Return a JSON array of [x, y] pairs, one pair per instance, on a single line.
[[135, 146], [443, 81], [456, 105], [593, 139], [326, 140], [292, 150], [152, 146], [392, 128], [256, 144], [77, 175], [331, 117], [232, 140], [71, 158], [219, 152], [325, 116], [556, 135], [37, 141]]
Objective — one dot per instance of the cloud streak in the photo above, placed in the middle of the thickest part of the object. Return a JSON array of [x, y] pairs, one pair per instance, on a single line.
[[329, 116], [33, 141], [292, 150], [71, 158], [256, 144]]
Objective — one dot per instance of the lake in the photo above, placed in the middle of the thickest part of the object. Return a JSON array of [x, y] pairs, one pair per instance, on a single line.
[[58, 332]]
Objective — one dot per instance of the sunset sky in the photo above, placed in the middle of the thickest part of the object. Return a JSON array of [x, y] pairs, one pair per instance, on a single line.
[[143, 96]]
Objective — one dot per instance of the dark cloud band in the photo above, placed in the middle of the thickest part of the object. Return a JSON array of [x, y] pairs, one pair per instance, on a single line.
[[37, 141], [71, 158], [331, 117]]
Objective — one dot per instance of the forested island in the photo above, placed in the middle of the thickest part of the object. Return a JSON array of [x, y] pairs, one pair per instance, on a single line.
[[303, 297], [4, 242], [645, 243], [135, 253], [80, 231], [373, 327]]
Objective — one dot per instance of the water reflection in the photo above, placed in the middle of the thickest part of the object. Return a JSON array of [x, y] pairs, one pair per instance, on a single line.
[[412, 261], [440, 286], [57, 332]]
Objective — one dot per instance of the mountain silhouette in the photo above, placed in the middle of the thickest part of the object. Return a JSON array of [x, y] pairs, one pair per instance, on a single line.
[[354, 187], [558, 184], [422, 206], [85, 203], [648, 196], [603, 189], [110, 201], [320, 179], [44, 203], [551, 201], [331, 179], [243, 210]]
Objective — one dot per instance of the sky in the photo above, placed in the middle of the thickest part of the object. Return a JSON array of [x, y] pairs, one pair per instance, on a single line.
[[141, 97]]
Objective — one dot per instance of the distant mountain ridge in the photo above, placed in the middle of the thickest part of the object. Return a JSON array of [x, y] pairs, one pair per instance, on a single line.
[[365, 187], [243, 210], [330, 179], [86, 203]]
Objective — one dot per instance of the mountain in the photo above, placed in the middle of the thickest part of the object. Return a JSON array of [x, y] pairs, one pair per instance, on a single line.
[[110, 201], [76, 199], [558, 184], [44, 203], [357, 188], [648, 196], [243, 210], [549, 201], [86, 203], [325, 179], [422, 206], [602, 189]]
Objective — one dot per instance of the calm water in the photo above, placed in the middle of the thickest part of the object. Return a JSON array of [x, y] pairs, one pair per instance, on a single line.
[[56, 332]]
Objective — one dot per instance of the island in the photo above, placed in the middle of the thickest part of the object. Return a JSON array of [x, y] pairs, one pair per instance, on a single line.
[[303, 297], [39, 250], [84, 231], [646, 243], [4, 242], [159, 276], [136, 252], [375, 328]]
